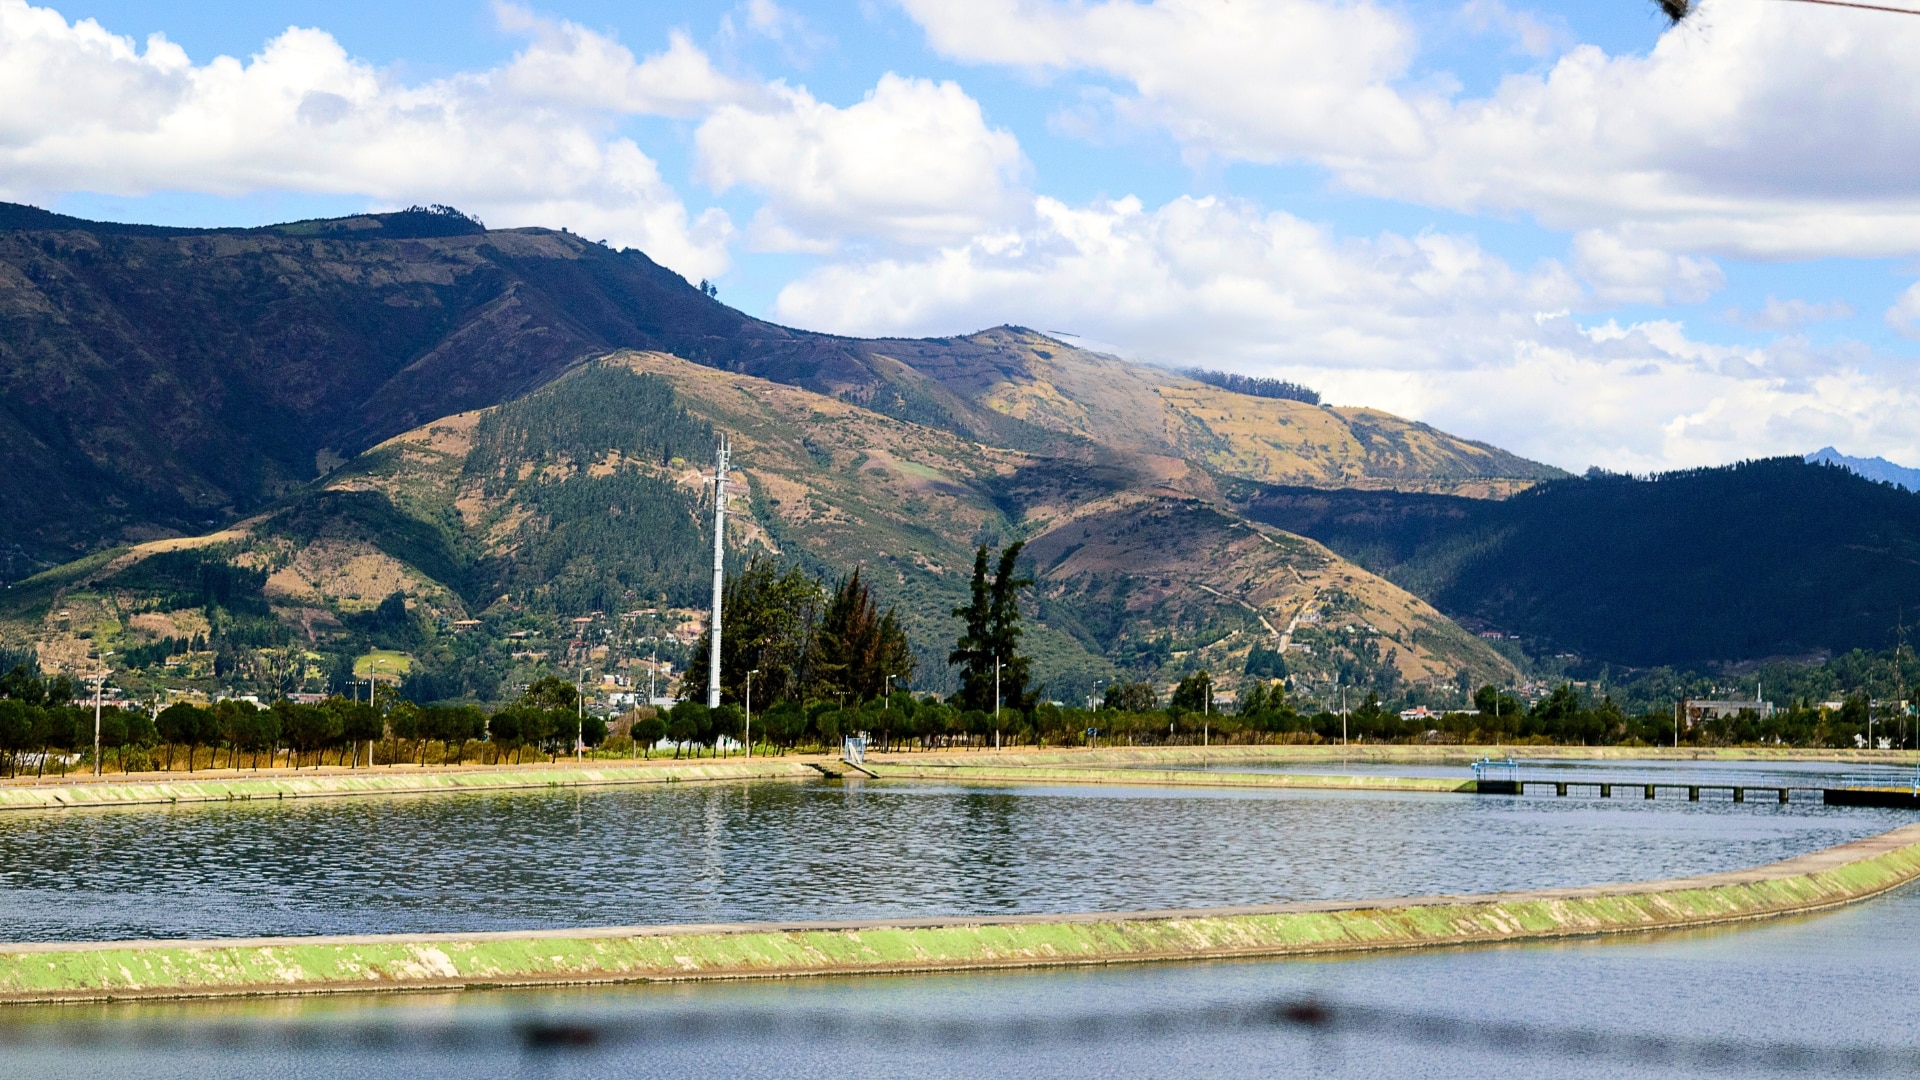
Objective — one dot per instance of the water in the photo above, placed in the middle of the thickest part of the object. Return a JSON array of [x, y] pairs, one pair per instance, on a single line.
[[1824, 996], [785, 851], [1827, 995]]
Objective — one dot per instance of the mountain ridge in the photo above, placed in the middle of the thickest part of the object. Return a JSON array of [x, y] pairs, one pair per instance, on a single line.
[[161, 381], [520, 541]]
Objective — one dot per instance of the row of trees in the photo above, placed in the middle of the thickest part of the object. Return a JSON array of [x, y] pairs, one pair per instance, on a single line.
[[38, 718]]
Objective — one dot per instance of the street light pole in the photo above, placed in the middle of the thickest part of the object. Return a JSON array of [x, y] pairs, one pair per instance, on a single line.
[[886, 694], [996, 701], [749, 732], [580, 719]]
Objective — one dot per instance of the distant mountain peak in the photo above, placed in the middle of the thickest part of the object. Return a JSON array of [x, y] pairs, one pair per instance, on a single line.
[[1873, 468]]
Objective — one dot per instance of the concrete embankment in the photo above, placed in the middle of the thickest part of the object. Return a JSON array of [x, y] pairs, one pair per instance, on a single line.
[[1824, 879], [235, 788], [994, 773]]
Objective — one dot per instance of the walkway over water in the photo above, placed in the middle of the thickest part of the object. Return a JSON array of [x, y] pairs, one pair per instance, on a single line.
[[1883, 787]]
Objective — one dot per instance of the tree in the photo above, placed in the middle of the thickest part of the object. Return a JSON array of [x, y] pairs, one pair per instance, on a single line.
[[770, 621], [233, 724], [987, 650], [649, 730], [593, 730], [1194, 694], [857, 647], [453, 725], [52, 726], [185, 724], [687, 724], [1265, 663], [309, 728], [503, 731], [1134, 697], [20, 685], [16, 727], [360, 722], [547, 714]]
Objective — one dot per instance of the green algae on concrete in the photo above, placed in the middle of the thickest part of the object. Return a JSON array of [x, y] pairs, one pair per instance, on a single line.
[[1813, 882], [376, 782]]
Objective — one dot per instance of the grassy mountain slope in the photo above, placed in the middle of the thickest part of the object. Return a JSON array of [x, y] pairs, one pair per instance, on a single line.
[[1048, 383], [588, 495], [1763, 559], [160, 381]]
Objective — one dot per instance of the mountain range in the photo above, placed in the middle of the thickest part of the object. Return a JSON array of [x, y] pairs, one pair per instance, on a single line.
[[260, 455], [1873, 468]]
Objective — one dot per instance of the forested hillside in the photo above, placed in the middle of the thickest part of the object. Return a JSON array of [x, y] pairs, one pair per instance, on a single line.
[[569, 528], [1762, 559], [159, 381]]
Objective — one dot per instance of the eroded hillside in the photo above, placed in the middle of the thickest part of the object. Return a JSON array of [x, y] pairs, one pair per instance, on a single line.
[[549, 516]]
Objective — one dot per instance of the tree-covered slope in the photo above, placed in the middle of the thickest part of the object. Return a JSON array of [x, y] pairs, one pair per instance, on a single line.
[[1765, 558], [159, 381], [489, 545]]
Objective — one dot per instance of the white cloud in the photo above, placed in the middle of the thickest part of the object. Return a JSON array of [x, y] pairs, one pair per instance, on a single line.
[[88, 110], [1431, 326], [1627, 275], [1257, 80], [566, 64], [914, 163], [1778, 130], [1791, 314], [1904, 315], [1530, 34]]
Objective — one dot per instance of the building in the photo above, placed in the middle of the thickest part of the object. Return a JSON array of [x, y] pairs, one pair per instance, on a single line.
[[1691, 711]]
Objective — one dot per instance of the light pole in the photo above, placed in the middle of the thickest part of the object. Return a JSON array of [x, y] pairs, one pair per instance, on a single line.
[[749, 731], [886, 693], [580, 719], [1343, 710], [996, 701]]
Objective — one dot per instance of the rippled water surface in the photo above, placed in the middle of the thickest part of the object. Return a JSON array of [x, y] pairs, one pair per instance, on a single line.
[[825, 851]]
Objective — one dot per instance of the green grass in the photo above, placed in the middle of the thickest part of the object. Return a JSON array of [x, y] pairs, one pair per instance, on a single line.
[[383, 663]]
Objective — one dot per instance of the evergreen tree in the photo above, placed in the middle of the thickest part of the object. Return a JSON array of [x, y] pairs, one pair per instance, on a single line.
[[972, 652], [1194, 694], [858, 647], [992, 638], [771, 619]]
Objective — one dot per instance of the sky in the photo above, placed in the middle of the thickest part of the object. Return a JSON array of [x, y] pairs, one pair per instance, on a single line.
[[1569, 229]]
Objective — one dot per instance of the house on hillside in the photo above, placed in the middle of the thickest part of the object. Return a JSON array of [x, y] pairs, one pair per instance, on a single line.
[[1690, 711]]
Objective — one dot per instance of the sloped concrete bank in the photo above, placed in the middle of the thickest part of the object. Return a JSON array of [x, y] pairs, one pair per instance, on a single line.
[[1824, 879], [992, 773], [377, 782]]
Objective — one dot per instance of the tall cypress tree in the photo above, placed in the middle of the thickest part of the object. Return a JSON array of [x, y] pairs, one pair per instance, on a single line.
[[992, 632]]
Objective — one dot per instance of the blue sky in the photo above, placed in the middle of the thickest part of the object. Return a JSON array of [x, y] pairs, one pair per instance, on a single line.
[[1564, 228]]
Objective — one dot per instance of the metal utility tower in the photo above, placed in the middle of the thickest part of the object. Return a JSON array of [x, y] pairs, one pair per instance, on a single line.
[[719, 567]]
